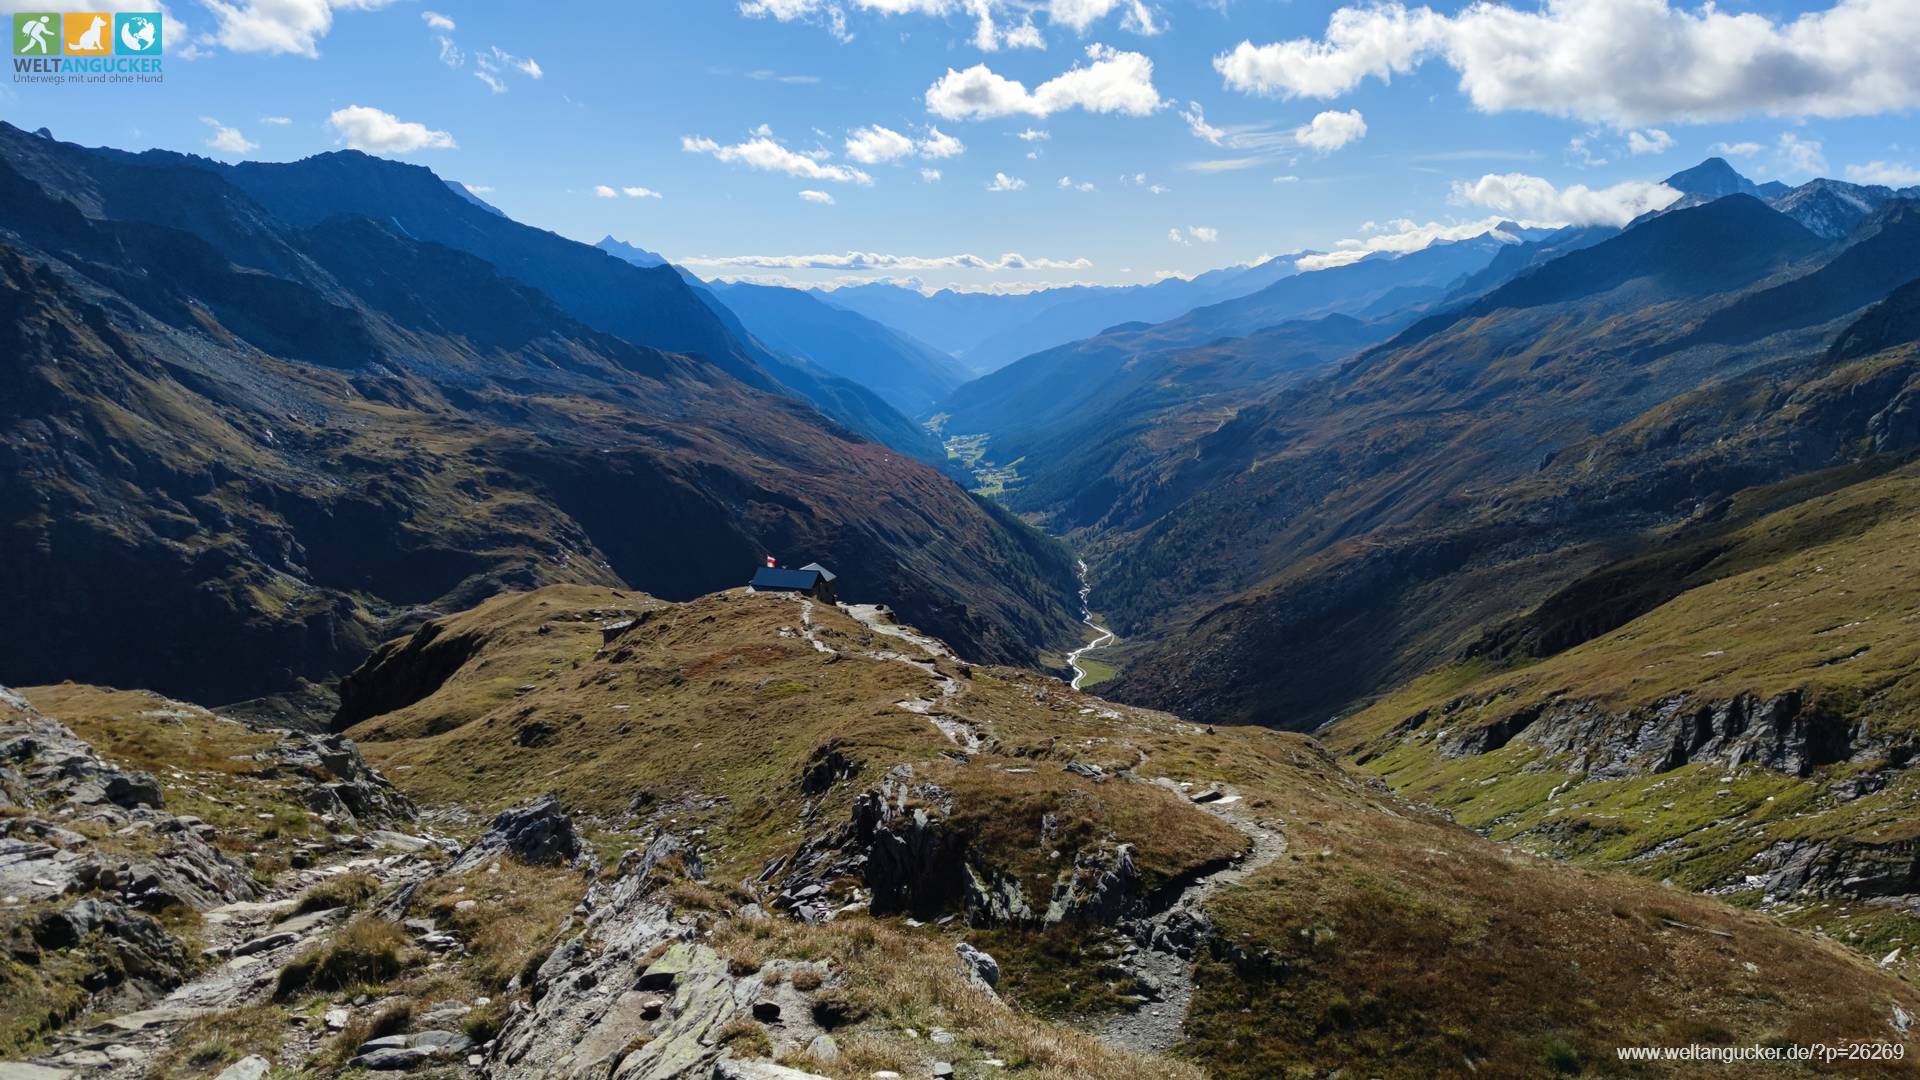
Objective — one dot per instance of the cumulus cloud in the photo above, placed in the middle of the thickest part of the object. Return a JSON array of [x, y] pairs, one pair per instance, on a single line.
[[1034, 135], [867, 260], [1003, 182], [929, 176], [1889, 173], [378, 132], [820, 197], [279, 26], [1078, 15], [1200, 234], [1619, 62], [604, 192], [993, 20], [437, 21], [1330, 131], [764, 154], [1113, 82], [1739, 149], [876, 145], [228, 140], [1067, 183], [1650, 141], [1534, 199]]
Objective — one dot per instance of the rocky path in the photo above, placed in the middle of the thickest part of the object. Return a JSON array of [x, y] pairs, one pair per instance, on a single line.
[[1106, 638], [245, 948], [945, 686], [1165, 944]]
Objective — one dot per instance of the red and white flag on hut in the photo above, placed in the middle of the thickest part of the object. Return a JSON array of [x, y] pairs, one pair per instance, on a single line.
[[769, 562]]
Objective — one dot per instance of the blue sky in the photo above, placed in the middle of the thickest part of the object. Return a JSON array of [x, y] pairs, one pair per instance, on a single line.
[[1179, 135]]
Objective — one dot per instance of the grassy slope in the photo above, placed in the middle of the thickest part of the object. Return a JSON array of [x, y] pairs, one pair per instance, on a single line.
[[1817, 598], [1387, 940]]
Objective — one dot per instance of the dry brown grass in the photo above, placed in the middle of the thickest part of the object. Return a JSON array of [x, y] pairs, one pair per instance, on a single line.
[[891, 978], [209, 1044], [366, 952], [517, 916]]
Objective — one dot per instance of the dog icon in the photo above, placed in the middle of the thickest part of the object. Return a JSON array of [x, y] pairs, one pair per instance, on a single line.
[[90, 41]]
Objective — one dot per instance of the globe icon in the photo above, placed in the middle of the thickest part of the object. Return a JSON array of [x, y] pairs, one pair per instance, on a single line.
[[137, 34]]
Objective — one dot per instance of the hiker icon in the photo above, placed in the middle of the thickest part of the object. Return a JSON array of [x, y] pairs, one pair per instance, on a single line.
[[35, 31]]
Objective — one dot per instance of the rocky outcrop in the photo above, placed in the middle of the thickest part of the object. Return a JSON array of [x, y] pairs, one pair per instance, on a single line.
[[1784, 732], [336, 781], [55, 783], [635, 996], [539, 833], [1840, 869], [902, 846]]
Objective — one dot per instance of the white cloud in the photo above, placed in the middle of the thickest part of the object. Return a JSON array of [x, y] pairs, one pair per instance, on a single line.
[[1580, 151], [278, 26], [437, 21], [1067, 184], [639, 193], [1286, 179], [478, 189], [820, 197], [766, 155], [1024, 36], [875, 145], [929, 176], [1618, 62], [1114, 82], [1650, 141], [605, 192], [1398, 237], [867, 260], [1330, 131], [277, 121], [1888, 173], [1003, 182], [1740, 149], [1034, 135], [228, 140], [495, 62], [1196, 119], [938, 144], [378, 132], [1078, 15], [1798, 155], [1194, 234], [1533, 199]]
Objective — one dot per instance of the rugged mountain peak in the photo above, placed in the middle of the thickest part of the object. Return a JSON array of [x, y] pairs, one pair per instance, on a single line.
[[1832, 208], [1712, 178], [638, 256]]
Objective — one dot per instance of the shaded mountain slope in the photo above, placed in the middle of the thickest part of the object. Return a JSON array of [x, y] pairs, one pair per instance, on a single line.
[[649, 303], [909, 375], [294, 462], [1389, 512]]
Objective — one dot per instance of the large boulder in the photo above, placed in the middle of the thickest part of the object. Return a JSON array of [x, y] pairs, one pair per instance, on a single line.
[[540, 833]]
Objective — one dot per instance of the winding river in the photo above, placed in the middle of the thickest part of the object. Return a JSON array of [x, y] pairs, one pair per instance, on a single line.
[[1106, 637]]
